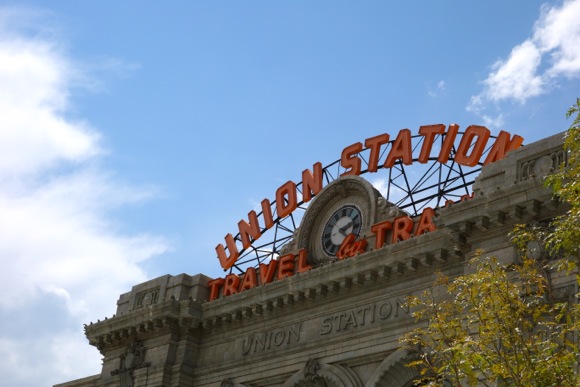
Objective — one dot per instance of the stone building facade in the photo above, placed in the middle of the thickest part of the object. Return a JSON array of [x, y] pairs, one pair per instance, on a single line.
[[338, 324]]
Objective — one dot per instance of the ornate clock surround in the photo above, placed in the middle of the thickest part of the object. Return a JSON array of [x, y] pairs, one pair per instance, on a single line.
[[347, 190]]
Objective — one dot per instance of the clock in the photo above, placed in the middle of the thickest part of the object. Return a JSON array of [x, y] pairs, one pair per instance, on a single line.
[[345, 220], [346, 206]]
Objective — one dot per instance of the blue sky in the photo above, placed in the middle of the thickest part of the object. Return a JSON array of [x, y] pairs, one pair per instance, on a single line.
[[134, 136]]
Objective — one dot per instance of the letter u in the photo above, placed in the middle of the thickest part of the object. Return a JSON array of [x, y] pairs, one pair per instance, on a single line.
[[225, 261]]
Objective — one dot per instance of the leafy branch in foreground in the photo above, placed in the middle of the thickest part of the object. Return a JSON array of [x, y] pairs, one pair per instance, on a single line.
[[500, 324], [566, 185], [494, 325]]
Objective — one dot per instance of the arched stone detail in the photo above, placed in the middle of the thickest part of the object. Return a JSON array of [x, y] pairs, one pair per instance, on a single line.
[[393, 371], [315, 374], [344, 186]]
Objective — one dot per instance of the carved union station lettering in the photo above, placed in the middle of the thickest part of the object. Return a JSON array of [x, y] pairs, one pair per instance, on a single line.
[[275, 338], [361, 316]]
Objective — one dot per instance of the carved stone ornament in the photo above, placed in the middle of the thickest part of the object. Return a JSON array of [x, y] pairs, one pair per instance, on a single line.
[[542, 166], [311, 377], [132, 359], [227, 383], [146, 298], [312, 367]]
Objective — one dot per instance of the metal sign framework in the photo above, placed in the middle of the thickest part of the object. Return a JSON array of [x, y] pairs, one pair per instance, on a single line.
[[408, 190]]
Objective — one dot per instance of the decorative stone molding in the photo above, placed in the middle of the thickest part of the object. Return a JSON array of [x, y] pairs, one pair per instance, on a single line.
[[542, 166], [146, 298]]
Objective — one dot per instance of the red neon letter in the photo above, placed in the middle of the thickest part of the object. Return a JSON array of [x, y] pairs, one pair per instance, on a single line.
[[248, 230], [380, 231], [267, 272], [311, 183], [214, 288], [461, 156], [429, 132], [426, 222], [401, 149], [501, 146], [349, 159], [285, 266], [267, 214], [249, 281], [374, 144], [231, 284], [351, 247], [303, 265], [402, 227], [286, 199], [344, 251], [448, 143], [225, 261]]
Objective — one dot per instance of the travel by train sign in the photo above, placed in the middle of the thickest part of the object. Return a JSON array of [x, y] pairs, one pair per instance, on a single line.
[[436, 145]]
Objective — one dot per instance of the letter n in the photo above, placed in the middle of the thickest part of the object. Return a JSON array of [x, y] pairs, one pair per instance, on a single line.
[[251, 229], [311, 182]]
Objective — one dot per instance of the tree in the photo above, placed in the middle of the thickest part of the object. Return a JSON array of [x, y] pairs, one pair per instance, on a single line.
[[499, 324], [495, 326], [566, 185]]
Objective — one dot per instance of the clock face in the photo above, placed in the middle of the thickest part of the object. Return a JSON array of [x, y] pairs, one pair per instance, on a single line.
[[346, 220]]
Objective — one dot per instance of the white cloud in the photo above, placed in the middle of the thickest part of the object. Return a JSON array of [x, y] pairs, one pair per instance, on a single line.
[[517, 77], [558, 33], [34, 134], [439, 89], [536, 65], [64, 260]]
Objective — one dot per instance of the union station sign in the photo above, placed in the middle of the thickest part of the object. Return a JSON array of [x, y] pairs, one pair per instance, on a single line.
[[339, 238]]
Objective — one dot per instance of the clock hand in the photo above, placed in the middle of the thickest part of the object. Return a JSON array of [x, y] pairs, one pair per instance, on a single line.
[[343, 229]]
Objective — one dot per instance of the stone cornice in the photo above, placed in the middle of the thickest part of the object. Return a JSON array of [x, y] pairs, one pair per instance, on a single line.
[[520, 202], [168, 315], [392, 260]]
